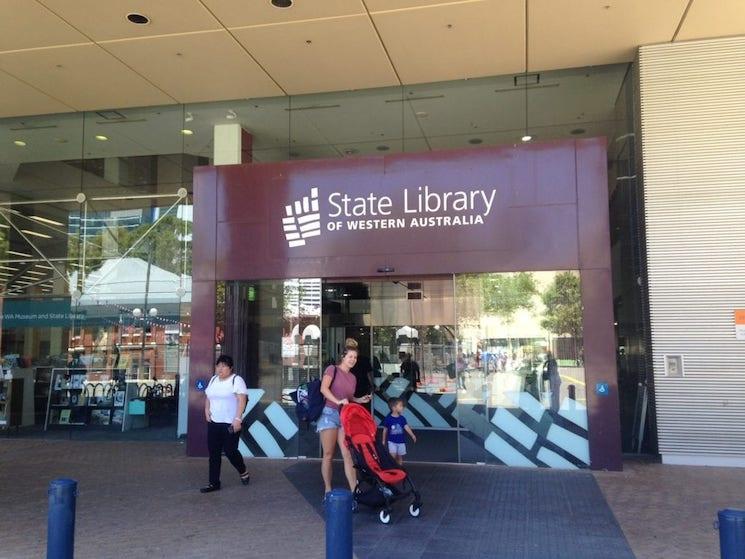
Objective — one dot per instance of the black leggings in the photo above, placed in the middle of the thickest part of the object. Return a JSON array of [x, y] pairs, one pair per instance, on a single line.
[[219, 440]]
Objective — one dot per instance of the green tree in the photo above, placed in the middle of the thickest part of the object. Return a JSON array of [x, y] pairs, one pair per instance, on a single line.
[[563, 302], [165, 243], [497, 294]]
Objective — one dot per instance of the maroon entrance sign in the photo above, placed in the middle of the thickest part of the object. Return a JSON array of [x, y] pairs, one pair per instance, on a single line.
[[504, 209]]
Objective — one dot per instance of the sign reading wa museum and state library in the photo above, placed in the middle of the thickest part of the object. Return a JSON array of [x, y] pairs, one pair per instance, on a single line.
[[18, 313]]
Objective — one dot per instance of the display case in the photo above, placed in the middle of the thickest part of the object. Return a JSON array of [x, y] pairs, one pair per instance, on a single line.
[[86, 398], [11, 401]]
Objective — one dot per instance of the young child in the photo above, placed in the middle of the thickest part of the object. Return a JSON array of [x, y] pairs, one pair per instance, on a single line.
[[394, 426]]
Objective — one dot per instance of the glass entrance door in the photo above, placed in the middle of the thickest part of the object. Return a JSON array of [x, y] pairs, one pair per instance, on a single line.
[[406, 333]]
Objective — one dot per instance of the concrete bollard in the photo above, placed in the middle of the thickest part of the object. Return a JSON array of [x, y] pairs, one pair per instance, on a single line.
[[61, 519], [731, 524], [339, 524]]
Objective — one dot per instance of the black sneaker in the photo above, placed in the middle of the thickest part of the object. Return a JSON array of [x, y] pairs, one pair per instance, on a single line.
[[246, 478], [209, 488]]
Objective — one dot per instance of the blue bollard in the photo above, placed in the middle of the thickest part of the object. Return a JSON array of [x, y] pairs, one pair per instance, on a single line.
[[61, 523], [732, 533], [339, 524]]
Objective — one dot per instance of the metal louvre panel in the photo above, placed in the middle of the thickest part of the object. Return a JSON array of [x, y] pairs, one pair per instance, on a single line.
[[693, 148]]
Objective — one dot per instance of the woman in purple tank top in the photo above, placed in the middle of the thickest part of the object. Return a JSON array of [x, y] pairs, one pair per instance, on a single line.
[[338, 387]]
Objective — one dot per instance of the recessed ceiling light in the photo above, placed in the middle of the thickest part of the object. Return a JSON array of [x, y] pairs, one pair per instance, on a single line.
[[189, 117], [36, 234], [187, 132], [475, 141], [382, 148], [45, 220], [101, 137], [231, 115], [138, 19], [19, 143], [578, 131], [9, 268], [4, 226], [16, 253], [35, 273], [526, 138], [43, 266], [282, 3], [350, 151], [422, 114]]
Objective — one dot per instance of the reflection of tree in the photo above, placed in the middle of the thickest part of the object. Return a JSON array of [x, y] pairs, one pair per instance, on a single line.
[[496, 294], [165, 243], [563, 302]]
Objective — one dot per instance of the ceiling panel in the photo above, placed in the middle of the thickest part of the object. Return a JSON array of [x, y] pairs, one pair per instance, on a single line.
[[239, 13], [108, 20], [388, 5], [196, 67], [82, 76], [455, 41], [320, 55], [18, 98], [27, 24], [572, 33], [713, 18]]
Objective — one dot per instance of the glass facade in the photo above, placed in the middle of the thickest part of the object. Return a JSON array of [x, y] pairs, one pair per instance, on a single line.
[[490, 365], [95, 261]]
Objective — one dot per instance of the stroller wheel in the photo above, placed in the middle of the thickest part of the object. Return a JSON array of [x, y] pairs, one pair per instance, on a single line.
[[415, 510], [385, 516]]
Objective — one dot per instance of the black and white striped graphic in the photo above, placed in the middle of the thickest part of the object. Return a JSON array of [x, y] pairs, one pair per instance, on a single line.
[[302, 220], [268, 430]]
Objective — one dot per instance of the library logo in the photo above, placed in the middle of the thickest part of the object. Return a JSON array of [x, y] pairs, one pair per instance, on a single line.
[[302, 220]]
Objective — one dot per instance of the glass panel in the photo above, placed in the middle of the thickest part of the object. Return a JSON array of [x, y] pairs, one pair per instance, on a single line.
[[353, 123], [267, 120], [522, 385], [405, 329], [272, 329]]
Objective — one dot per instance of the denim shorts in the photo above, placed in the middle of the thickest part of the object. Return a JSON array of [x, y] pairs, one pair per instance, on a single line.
[[397, 448], [329, 419]]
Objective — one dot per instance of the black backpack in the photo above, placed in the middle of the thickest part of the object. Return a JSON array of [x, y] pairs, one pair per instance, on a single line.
[[309, 400]]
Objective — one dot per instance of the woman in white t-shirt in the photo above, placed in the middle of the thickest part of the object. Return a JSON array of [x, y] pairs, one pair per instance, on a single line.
[[226, 399]]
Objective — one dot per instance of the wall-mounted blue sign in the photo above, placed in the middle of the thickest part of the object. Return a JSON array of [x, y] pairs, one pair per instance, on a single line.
[[200, 384], [602, 389]]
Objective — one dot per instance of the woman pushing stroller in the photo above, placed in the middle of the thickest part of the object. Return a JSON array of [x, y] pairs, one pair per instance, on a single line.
[[338, 386]]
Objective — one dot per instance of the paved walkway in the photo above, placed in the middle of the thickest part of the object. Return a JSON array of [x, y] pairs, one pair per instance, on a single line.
[[139, 500]]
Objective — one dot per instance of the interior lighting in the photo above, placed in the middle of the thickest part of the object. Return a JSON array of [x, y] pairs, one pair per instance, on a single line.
[[9, 268], [19, 143], [187, 132], [44, 266], [101, 137], [526, 138], [45, 220], [35, 273], [4, 226], [36, 234], [16, 253], [231, 115]]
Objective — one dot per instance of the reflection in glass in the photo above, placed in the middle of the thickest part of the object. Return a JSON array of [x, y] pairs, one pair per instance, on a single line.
[[520, 367]]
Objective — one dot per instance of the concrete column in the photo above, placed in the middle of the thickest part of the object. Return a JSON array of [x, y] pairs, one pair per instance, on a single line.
[[232, 145]]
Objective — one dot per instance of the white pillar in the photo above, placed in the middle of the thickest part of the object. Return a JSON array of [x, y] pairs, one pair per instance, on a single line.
[[232, 145]]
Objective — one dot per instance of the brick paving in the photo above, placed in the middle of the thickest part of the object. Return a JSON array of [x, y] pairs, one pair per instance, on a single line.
[[668, 512], [139, 500]]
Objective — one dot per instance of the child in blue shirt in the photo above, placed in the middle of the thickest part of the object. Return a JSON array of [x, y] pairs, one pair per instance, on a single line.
[[394, 426]]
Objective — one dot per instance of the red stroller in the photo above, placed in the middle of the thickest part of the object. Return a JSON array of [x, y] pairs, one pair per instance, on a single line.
[[380, 481]]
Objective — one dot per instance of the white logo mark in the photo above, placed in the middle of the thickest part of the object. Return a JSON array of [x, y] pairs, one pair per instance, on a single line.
[[303, 220]]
